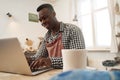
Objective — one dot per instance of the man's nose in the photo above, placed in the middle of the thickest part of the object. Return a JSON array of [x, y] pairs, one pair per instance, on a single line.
[[43, 24], [43, 21]]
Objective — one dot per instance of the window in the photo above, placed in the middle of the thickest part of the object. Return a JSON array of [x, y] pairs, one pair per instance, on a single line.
[[94, 20]]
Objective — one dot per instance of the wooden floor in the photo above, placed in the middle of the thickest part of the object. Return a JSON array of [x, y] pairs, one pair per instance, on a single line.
[[43, 76]]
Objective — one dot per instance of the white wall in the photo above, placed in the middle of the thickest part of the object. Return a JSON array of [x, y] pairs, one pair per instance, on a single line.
[[19, 26]]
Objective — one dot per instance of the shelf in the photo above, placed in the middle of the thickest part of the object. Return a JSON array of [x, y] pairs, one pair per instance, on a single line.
[[117, 9], [117, 13], [118, 35]]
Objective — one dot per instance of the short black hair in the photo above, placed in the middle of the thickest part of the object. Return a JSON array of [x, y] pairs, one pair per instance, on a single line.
[[49, 6]]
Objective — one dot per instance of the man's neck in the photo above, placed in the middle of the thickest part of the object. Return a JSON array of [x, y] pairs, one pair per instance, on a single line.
[[55, 29]]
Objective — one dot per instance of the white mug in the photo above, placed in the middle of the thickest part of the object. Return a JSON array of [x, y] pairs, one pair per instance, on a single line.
[[74, 59]]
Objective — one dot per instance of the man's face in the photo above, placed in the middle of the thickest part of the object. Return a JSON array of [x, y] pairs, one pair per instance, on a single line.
[[46, 18]]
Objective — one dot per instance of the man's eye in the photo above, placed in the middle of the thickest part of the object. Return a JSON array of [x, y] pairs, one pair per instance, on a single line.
[[40, 20], [44, 18]]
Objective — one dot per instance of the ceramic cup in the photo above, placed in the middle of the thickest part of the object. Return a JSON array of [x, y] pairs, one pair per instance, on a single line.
[[74, 59]]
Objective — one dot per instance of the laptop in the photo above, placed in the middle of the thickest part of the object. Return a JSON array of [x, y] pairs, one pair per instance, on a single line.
[[13, 60]]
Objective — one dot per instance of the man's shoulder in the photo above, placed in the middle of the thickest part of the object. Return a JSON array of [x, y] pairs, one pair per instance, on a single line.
[[69, 26]]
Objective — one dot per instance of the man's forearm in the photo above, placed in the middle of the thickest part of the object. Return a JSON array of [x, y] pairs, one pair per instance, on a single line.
[[57, 62]]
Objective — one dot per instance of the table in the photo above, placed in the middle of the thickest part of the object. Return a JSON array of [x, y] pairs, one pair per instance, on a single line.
[[117, 67], [42, 76]]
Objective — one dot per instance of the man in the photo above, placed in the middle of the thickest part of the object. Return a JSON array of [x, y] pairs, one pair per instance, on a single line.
[[59, 36]]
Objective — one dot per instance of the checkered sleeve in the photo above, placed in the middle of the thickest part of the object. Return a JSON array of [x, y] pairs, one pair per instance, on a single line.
[[57, 62], [76, 39], [42, 51]]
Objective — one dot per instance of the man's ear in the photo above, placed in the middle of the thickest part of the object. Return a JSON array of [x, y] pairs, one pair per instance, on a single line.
[[54, 14]]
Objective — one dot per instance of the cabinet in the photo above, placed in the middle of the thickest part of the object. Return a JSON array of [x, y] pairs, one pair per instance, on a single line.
[[117, 23], [118, 41]]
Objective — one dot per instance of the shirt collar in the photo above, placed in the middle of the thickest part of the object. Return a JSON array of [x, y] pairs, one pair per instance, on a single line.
[[61, 30], [61, 27]]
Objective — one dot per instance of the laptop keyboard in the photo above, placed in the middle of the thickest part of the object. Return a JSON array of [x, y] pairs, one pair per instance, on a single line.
[[30, 58], [39, 69]]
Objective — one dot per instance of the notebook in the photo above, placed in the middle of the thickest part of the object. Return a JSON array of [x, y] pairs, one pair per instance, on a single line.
[[13, 60]]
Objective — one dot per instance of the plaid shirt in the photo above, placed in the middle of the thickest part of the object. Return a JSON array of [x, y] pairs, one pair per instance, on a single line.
[[72, 38]]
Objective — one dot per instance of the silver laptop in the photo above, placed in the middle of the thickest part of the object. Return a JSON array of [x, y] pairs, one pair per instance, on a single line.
[[13, 60]]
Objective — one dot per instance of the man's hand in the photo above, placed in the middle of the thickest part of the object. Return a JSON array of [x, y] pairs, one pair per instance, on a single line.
[[41, 62]]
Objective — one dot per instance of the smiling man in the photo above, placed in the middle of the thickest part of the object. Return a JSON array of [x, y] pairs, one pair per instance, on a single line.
[[59, 36]]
